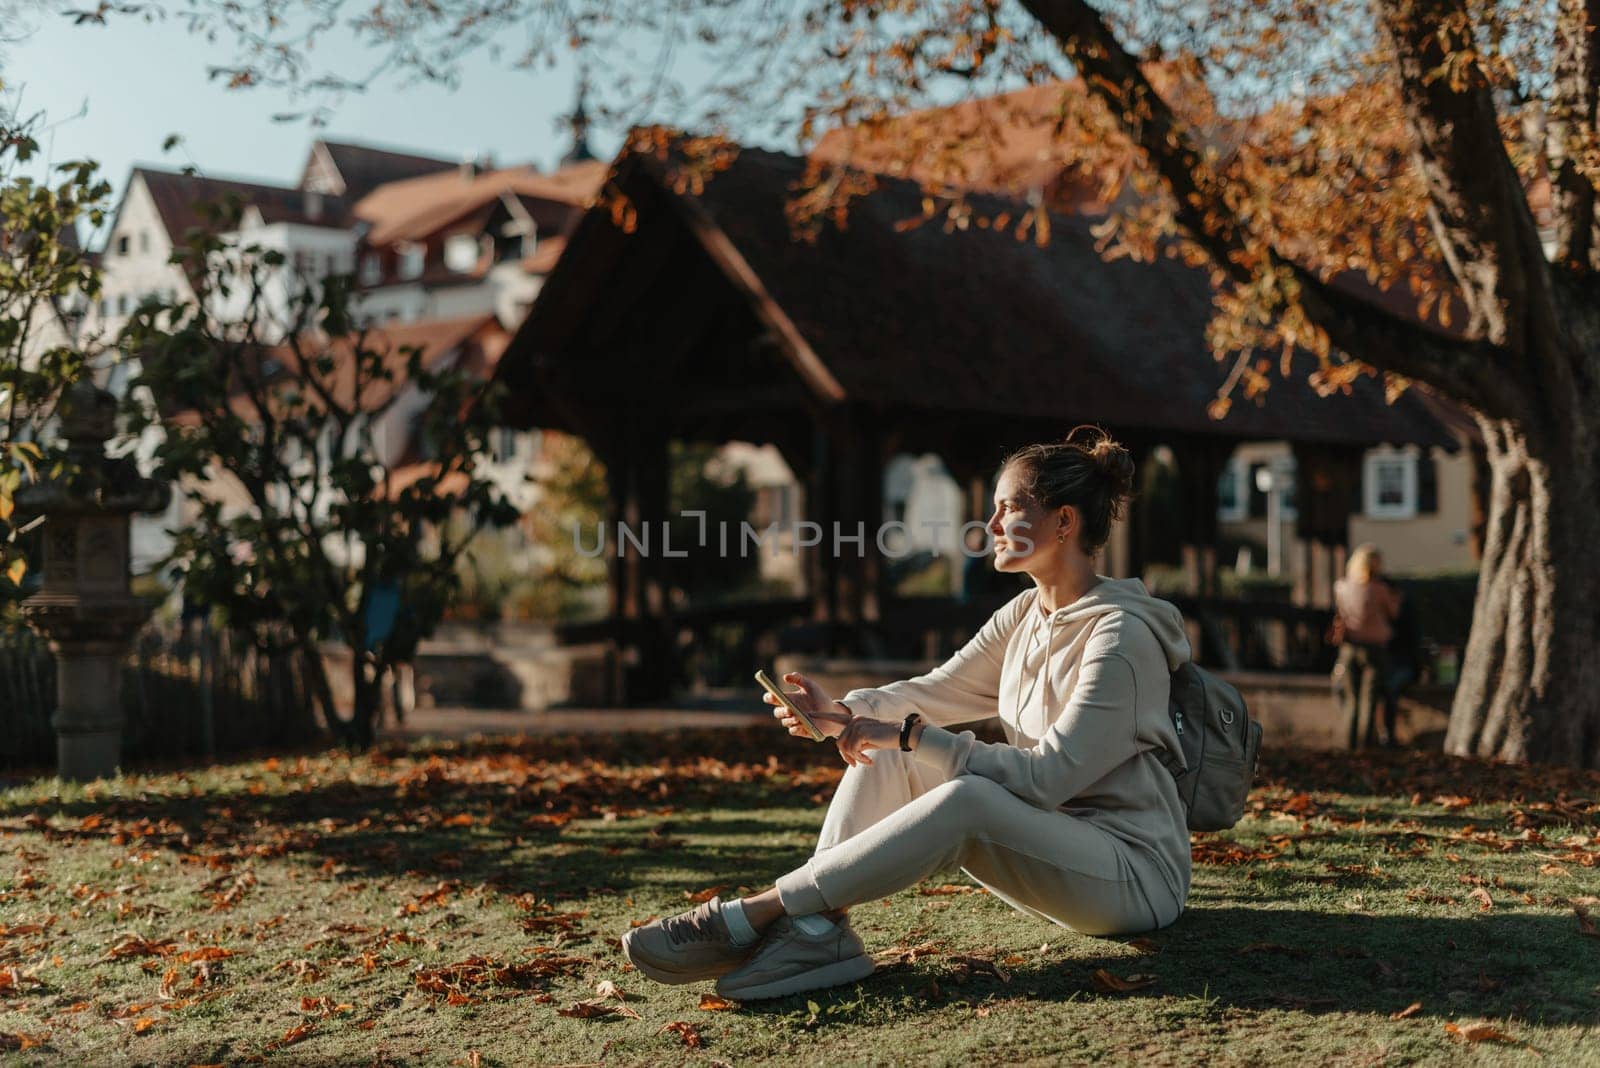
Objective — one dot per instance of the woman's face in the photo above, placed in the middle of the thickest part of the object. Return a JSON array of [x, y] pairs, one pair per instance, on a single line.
[[1025, 535]]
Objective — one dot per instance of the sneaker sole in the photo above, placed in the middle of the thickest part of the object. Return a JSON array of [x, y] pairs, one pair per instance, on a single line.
[[836, 974], [669, 978]]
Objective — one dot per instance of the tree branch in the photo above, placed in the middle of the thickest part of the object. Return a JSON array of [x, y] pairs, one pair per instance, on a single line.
[[1461, 368], [1570, 131], [1479, 211]]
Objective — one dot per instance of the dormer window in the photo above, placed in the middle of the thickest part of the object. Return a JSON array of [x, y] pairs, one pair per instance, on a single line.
[[514, 241], [461, 252]]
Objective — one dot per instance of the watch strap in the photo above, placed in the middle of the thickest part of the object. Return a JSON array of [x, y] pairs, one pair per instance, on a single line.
[[905, 731]]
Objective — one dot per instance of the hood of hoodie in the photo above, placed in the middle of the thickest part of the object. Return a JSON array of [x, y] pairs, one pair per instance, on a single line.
[[1131, 596]]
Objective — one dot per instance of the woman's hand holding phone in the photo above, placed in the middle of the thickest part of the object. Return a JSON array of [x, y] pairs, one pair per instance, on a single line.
[[814, 701]]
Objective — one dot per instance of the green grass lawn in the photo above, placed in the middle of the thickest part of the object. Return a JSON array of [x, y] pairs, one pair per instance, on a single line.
[[456, 904]]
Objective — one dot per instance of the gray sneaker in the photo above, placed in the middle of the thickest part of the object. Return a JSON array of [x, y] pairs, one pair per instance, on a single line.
[[687, 947], [789, 960]]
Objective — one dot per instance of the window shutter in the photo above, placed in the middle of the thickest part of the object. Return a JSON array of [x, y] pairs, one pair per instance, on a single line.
[[1427, 485]]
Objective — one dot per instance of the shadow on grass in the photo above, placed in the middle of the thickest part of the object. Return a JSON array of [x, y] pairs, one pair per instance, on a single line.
[[1525, 967]]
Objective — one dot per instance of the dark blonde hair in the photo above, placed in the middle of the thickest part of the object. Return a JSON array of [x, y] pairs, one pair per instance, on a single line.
[[1087, 470]]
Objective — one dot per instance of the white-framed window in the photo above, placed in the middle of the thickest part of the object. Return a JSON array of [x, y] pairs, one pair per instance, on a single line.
[[411, 260], [1233, 492], [1389, 484], [461, 252], [371, 269]]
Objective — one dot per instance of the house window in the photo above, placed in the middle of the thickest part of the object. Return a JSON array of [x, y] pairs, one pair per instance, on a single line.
[[371, 269], [122, 245], [461, 252], [1232, 495], [122, 303], [411, 260], [1389, 481], [144, 241]]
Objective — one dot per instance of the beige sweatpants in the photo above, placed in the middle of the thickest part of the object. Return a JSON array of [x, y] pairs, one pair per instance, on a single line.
[[895, 822]]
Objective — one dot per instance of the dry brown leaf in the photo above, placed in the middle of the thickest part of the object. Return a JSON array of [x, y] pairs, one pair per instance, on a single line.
[[1407, 1012], [1481, 896], [1107, 983], [713, 1003], [607, 989], [1145, 945], [1478, 1032], [701, 896], [1586, 925], [586, 1010], [684, 1030], [981, 964], [294, 1034]]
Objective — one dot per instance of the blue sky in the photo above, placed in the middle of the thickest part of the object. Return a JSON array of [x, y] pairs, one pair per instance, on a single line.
[[136, 83]]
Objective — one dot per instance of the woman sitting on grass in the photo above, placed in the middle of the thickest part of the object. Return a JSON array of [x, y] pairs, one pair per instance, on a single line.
[[1073, 819]]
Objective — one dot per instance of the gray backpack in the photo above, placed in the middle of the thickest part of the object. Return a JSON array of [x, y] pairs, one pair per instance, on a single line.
[[1220, 743]]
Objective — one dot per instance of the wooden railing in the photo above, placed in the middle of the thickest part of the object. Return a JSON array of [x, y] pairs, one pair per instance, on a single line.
[[722, 645], [193, 691]]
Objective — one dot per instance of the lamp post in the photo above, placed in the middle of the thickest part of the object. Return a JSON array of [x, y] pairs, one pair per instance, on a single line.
[[1270, 482], [85, 607]]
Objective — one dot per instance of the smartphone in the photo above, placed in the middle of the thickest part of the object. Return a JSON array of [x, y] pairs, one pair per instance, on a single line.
[[805, 720]]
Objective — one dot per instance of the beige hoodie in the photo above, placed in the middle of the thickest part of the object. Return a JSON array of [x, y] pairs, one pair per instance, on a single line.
[[1082, 694]]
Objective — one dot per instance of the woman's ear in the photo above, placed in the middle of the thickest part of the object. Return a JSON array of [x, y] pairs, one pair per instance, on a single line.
[[1068, 525]]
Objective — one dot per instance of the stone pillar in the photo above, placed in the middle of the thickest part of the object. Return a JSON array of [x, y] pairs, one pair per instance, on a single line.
[[85, 608]]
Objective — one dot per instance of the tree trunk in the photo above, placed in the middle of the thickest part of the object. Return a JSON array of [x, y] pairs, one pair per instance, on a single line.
[[1530, 678], [361, 728], [354, 733]]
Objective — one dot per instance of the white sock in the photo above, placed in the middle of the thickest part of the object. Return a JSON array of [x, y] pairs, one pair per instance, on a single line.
[[814, 923], [739, 928]]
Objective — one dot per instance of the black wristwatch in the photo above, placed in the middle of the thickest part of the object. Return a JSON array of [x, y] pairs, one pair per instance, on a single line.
[[905, 731]]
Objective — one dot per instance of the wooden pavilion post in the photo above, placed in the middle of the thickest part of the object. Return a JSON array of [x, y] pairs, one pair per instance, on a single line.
[[1327, 487], [636, 456], [1200, 465]]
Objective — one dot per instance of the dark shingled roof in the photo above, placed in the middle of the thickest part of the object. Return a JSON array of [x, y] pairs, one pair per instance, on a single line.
[[977, 321], [177, 198], [363, 167]]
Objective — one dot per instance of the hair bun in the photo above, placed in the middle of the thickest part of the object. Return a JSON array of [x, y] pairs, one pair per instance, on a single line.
[[1112, 458]]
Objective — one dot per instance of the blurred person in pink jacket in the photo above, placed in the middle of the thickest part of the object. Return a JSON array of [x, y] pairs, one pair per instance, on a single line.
[[1366, 608]]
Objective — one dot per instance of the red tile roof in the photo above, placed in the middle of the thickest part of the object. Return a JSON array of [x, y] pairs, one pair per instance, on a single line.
[[416, 209], [1012, 142], [438, 339]]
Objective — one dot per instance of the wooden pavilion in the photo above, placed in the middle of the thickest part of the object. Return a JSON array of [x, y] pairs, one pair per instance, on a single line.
[[701, 317]]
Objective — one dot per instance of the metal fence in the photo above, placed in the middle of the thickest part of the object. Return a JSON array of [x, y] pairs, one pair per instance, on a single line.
[[192, 691]]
